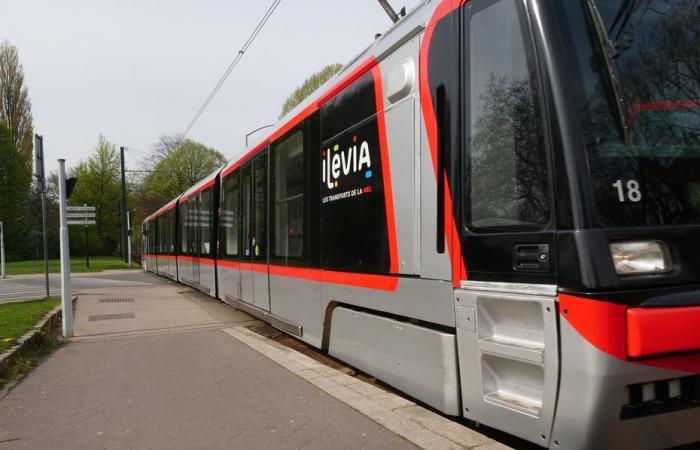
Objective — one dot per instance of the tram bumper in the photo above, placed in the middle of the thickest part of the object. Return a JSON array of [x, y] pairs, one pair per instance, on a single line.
[[599, 404]]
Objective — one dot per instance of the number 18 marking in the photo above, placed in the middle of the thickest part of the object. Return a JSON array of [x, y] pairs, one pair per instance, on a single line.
[[633, 192]]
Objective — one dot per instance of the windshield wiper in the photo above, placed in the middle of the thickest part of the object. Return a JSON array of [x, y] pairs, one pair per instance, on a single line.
[[626, 29], [609, 50], [623, 14]]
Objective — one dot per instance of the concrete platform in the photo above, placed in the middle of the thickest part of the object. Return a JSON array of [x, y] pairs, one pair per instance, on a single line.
[[155, 364]]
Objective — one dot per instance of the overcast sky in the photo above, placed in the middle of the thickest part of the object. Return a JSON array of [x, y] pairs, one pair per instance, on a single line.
[[136, 69]]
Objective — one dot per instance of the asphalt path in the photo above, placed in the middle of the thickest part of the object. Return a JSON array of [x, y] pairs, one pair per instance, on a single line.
[[31, 287], [168, 377]]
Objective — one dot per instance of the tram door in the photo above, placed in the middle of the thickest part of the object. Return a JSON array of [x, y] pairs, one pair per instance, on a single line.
[[509, 231], [259, 212], [195, 219], [254, 271], [246, 253]]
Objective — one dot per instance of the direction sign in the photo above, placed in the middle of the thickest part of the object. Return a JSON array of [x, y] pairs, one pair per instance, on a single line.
[[82, 222], [80, 208], [80, 215]]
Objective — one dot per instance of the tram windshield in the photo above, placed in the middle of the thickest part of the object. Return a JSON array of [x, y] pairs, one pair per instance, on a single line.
[[639, 103]]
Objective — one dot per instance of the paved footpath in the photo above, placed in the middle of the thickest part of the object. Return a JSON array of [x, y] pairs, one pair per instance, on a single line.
[[158, 365]]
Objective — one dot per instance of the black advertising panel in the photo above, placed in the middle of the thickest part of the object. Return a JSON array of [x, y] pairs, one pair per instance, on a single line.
[[353, 218]]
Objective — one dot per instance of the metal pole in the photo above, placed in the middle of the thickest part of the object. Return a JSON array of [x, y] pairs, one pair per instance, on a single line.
[[128, 236], [124, 249], [2, 250], [41, 183], [87, 245], [389, 10], [66, 299], [87, 253], [46, 240]]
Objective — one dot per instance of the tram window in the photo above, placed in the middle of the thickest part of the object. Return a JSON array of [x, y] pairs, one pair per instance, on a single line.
[[168, 223], [259, 236], [183, 228], [159, 239], [204, 222], [246, 201], [161, 235], [193, 213], [229, 217], [288, 190], [652, 176], [507, 176], [173, 231]]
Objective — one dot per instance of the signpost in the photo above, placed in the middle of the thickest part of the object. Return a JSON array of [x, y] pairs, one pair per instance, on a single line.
[[2, 250], [128, 235], [82, 215], [41, 186]]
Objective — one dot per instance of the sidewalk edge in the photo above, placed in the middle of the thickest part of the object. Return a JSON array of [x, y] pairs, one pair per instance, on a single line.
[[403, 417], [25, 342]]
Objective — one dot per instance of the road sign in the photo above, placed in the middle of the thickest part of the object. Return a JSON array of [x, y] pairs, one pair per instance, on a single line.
[[80, 215]]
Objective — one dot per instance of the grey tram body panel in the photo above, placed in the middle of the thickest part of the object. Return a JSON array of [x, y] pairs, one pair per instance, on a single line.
[[416, 360]]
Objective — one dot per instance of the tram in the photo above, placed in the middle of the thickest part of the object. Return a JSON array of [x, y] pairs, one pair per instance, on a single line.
[[495, 208]]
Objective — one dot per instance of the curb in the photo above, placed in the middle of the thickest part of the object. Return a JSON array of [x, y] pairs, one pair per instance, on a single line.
[[403, 417], [47, 323]]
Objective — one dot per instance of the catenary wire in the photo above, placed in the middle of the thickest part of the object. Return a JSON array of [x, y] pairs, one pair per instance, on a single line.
[[233, 64]]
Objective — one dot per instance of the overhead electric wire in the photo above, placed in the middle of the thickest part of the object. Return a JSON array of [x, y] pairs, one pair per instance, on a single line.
[[233, 64]]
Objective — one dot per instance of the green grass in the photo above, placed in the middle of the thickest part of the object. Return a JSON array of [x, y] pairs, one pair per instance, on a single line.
[[97, 264], [18, 318]]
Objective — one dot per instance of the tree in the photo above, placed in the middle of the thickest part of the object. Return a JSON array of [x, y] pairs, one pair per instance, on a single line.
[[309, 86], [99, 186], [182, 168], [166, 145], [176, 169], [15, 107], [14, 189]]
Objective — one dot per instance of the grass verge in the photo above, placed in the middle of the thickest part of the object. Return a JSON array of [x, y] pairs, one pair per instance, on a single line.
[[97, 264], [18, 318], [21, 365]]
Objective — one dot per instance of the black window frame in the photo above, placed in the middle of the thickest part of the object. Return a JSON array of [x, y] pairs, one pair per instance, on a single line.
[[237, 216], [539, 85], [207, 225], [246, 180], [285, 260], [183, 242], [262, 256]]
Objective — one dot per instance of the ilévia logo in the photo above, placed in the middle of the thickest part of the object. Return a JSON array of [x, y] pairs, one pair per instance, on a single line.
[[337, 162]]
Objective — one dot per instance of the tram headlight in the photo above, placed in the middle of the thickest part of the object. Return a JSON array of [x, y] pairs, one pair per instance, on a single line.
[[640, 257]]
